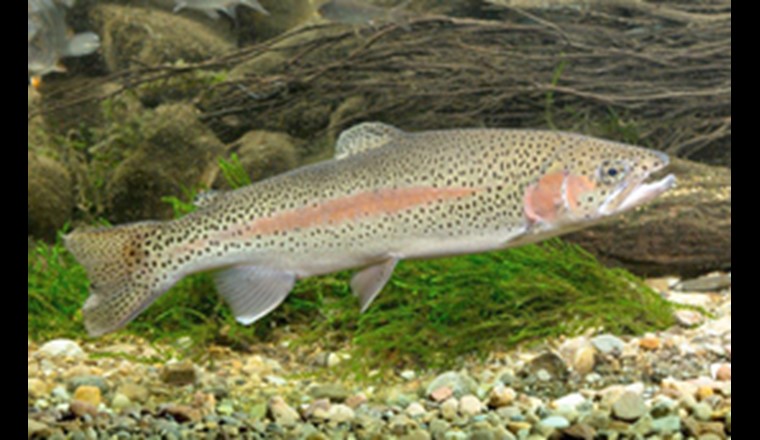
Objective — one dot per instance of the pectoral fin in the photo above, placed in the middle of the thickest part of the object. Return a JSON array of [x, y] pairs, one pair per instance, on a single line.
[[254, 292], [368, 283]]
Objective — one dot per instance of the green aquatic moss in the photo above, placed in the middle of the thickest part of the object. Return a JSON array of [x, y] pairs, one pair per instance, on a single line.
[[431, 314], [57, 288], [434, 312]]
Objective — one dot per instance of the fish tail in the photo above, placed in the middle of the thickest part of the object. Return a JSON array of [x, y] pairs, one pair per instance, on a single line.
[[124, 275]]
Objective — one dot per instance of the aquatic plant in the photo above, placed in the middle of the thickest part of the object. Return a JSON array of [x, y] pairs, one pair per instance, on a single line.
[[433, 312]]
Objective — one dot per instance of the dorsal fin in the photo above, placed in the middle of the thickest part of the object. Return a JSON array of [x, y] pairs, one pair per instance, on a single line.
[[365, 137]]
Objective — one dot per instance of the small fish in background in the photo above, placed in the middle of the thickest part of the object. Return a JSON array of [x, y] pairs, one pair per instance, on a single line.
[[388, 196], [213, 7], [49, 39], [359, 13]]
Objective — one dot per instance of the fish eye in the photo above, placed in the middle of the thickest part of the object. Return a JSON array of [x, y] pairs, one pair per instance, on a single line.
[[612, 172]]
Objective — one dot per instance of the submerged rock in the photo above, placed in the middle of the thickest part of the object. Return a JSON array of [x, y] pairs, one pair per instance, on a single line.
[[179, 374], [284, 16], [37, 139], [36, 429], [282, 413], [609, 344], [179, 152], [134, 36], [630, 407], [333, 393], [50, 196], [460, 384], [89, 395], [62, 348], [470, 406], [265, 154]]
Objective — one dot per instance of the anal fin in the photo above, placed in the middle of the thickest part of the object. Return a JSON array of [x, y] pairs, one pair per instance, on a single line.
[[254, 292], [368, 283]]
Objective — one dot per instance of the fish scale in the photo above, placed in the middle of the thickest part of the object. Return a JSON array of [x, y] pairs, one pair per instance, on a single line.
[[389, 196]]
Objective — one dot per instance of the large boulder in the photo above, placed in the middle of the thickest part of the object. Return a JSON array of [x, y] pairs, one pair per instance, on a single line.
[[687, 231], [95, 113], [50, 196], [37, 138], [179, 154], [266, 154], [284, 16], [134, 36]]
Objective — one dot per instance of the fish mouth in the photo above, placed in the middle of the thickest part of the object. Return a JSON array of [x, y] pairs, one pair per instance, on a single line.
[[633, 193]]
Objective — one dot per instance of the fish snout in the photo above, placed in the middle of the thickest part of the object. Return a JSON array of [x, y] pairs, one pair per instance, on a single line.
[[662, 157]]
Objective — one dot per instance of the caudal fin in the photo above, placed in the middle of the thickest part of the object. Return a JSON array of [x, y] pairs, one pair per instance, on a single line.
[[121, 271]]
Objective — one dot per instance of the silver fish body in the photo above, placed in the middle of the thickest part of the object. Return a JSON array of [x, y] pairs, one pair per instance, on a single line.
[[48, 39], [212, 8], [358, 13], [388, 196]]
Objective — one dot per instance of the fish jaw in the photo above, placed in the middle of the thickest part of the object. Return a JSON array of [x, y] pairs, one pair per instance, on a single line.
[[646, 192], [638, 192]]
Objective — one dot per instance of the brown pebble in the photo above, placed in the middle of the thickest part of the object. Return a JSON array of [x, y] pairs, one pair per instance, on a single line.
[[584, 360], [182, 414], [354, 402], [705, 393], [580, 432], [80, 409], [179, 374], [724, 373], [442, 394], [516, 427], [501, 396], [651, 344], [89, 395]]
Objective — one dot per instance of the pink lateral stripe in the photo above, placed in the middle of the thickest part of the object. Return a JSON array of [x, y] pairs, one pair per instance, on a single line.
[[335, 212], [351, 208]]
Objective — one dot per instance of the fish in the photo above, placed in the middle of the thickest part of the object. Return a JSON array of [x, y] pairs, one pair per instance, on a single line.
[[388, 195], [358, 13], [49, 40], [213, 7]]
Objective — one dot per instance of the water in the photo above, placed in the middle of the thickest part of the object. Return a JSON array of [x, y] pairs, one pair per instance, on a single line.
[[176, 103]]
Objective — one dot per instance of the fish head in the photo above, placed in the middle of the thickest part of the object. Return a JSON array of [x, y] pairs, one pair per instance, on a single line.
[[592, 179]]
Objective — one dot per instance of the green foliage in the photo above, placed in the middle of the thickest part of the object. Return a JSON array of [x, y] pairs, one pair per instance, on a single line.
[[234, 173], [57, 288], [185, 205], [433, 312]]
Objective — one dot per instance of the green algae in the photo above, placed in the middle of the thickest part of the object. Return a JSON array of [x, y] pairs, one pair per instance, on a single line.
[[431, 314], [437, 311]]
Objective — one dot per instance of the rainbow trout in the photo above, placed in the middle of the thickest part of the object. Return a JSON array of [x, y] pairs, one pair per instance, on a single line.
[[388, 196]]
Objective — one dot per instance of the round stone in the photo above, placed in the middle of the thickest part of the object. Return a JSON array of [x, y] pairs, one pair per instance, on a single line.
[[629, 407]]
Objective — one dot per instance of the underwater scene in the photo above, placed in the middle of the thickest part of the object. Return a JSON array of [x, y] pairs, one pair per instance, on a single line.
[[379, 219]]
